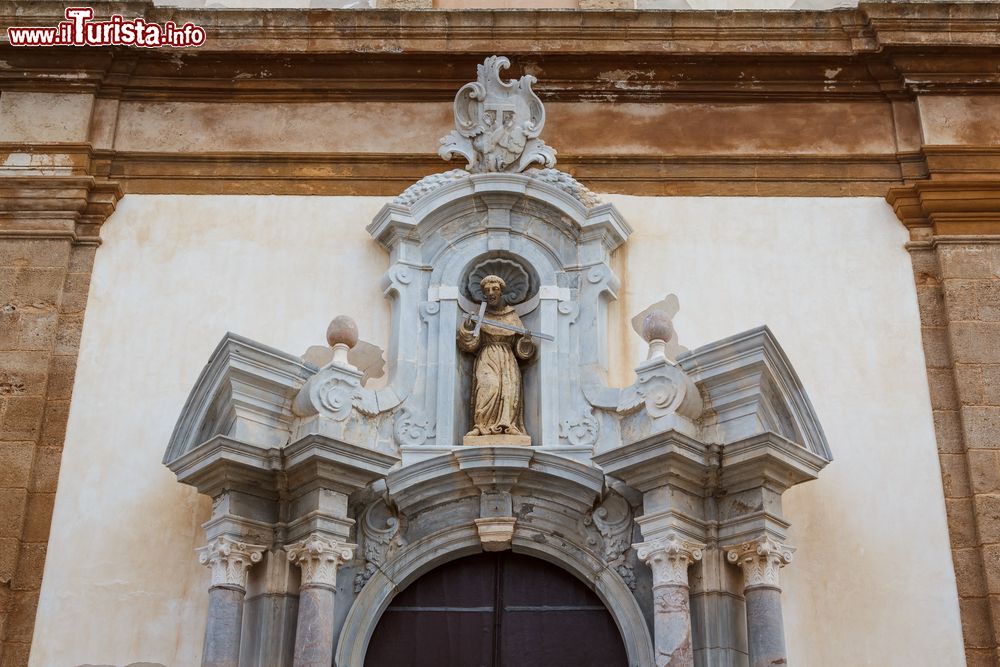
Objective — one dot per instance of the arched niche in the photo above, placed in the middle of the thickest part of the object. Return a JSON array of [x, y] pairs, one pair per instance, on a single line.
[[543, 221]]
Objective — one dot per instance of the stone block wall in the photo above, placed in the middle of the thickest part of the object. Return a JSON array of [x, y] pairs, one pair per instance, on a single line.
[[43, 292], [958, 288]]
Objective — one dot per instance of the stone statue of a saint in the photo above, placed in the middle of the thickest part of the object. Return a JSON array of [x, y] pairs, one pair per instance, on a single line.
[[497, 397]]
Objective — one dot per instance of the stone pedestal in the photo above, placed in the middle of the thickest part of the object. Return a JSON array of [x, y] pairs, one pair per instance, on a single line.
[[497, 440], [669, 558], [229, 561], [319, 558], [760, 561]]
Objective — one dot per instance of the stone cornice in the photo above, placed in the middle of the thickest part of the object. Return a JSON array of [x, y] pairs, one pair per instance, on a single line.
[[867, 66], [60, 206], [875, 49], [961, 197]]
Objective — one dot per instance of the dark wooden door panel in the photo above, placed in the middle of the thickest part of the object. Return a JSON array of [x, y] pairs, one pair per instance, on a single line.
[[496, 610], [432, 639]]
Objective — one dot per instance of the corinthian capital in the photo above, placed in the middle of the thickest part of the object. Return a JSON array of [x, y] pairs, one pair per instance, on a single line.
[[760, 561], [229, 560], [669, 557], [319, 559]]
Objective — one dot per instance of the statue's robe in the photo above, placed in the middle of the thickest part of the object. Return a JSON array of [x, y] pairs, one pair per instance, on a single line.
[[497, 403]]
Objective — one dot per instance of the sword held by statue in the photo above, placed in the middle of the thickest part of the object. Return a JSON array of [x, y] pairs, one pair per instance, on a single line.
[[480, 320]]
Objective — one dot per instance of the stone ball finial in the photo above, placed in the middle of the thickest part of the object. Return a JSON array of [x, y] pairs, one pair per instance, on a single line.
[[657, 326], [342, 335], [342, 331]]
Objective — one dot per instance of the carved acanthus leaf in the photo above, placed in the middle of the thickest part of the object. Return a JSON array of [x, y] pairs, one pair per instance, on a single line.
[[380, 531], [613, 521], [669, 557], [229, 560], [319, 558], [760, 561]]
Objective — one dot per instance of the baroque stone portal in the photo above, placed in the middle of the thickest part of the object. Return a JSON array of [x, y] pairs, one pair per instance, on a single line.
[[684, 468], [497, 398]]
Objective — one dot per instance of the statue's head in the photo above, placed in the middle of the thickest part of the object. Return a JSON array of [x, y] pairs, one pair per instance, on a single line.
[[493, 288]]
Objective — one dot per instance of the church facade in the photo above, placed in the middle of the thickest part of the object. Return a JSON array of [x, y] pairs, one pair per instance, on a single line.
[[589, 335]]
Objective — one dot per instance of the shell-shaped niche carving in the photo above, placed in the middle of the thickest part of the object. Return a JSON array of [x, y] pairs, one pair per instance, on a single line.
[[520, 283]]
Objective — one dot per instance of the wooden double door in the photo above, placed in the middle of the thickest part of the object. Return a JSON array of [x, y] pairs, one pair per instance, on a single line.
[[496, 610]]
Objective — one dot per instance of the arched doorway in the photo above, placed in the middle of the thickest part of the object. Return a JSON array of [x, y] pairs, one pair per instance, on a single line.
[[496, 610]]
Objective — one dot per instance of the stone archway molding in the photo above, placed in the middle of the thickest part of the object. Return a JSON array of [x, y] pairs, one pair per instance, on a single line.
[[459, 541], [546, 501]]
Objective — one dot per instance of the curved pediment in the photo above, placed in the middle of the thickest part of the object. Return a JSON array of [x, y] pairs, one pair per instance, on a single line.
[[557, 198]]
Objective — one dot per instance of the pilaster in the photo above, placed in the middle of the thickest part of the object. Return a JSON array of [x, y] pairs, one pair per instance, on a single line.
[[51, 212]]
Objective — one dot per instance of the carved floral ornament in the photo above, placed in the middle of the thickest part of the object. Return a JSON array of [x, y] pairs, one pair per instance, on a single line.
[[229, 560], [760, 561], [319, 559]]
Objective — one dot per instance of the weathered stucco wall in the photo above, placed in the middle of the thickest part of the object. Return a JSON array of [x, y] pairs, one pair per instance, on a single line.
[[829, 276]]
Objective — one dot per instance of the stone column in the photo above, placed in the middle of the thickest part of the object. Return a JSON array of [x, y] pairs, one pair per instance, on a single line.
[[669, 557], [760, 561], [319, 559], [229, 561]]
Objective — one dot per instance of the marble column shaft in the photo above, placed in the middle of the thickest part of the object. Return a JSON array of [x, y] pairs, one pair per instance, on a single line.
[[765, 627], [222, 631], [760, 561], [669, 558], [229, 561], [319, 558]]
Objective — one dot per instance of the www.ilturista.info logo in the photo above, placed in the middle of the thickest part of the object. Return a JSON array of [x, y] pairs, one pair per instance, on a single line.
[[79, 30]]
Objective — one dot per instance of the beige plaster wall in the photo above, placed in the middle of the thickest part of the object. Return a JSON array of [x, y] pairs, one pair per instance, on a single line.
[[829, 276]]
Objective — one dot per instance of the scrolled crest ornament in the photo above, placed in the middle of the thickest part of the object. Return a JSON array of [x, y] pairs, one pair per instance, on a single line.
[[229, 560], [497, 123], [319, 558], [760, 561]]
